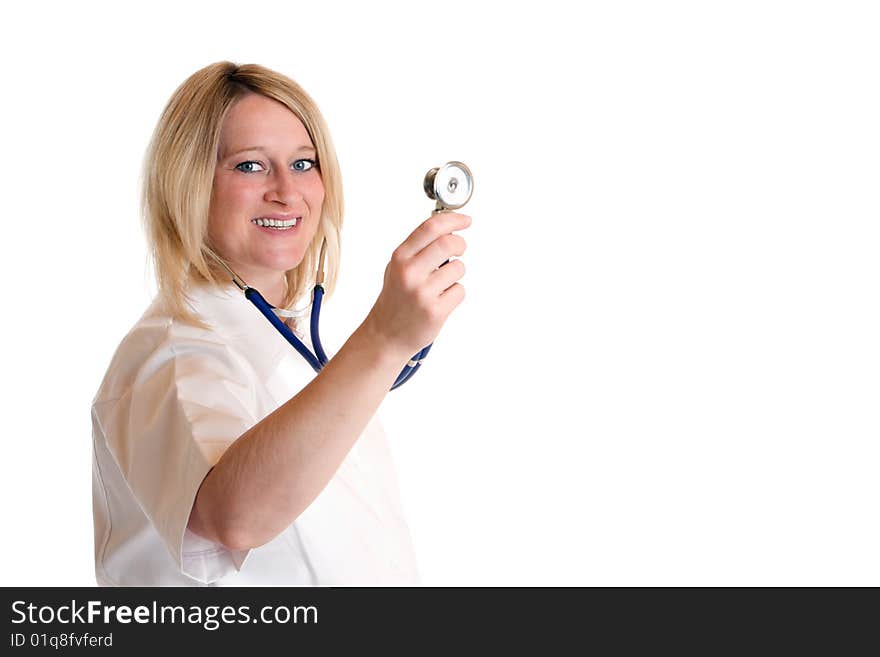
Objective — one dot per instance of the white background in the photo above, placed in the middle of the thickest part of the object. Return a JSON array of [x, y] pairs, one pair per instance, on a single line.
[[666, 370]]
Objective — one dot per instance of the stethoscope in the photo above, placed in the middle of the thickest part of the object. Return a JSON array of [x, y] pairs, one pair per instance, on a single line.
[[450, 185]]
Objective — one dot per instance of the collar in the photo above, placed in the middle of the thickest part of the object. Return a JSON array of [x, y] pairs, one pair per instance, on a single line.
[[229, 314]]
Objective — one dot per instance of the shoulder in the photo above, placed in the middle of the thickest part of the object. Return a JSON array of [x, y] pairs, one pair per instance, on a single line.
[[160, 343]]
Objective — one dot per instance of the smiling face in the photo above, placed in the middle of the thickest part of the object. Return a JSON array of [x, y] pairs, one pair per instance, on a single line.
[[268, 193]]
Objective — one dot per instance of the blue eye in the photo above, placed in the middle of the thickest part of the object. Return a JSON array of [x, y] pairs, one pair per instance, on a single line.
[[304, 165], [249, 167]]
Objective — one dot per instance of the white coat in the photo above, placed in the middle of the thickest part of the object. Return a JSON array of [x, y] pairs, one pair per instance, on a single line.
[[173, 399]]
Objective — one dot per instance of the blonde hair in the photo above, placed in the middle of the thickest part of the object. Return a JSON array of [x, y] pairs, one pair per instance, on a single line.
[[178, 179]]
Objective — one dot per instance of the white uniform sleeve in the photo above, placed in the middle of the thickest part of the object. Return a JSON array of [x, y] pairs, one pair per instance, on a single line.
[[187, 404]]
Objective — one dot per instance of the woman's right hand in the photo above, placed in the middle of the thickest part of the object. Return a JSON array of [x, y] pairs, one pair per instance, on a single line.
[[420, 292]]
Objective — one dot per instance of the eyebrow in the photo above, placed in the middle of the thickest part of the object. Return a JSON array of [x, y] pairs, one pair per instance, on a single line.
[[301, 149]]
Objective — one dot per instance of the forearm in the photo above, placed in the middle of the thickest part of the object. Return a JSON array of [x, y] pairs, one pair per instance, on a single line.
[[276, 469]]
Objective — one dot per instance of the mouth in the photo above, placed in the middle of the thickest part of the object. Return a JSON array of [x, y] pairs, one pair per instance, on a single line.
[[276, 224]]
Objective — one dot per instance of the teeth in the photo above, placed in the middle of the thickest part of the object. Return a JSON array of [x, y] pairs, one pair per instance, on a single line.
[[275, 223]]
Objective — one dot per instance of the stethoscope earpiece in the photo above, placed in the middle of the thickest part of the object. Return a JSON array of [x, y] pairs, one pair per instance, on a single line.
[[450, 185]]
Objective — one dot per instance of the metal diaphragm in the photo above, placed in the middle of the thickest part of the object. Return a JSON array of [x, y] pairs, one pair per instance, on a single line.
[[450, 185]]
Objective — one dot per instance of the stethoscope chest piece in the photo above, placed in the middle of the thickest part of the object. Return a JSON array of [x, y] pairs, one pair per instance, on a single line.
[[450, 185]]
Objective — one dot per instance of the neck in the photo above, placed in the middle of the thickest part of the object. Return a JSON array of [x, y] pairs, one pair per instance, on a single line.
[[271, 285], [273, 290]]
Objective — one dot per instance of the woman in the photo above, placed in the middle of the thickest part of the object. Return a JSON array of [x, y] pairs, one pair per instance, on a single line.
[[219, 456]]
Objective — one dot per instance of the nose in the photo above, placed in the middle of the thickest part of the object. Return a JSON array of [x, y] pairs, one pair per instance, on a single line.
[[283, 188]]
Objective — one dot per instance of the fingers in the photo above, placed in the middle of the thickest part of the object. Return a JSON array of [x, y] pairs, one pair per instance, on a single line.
[[453, 296], [439, 224], [442, 279], [439, 251]]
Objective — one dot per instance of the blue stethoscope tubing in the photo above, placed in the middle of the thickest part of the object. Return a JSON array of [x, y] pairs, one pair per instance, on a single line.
[[319, 359]]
